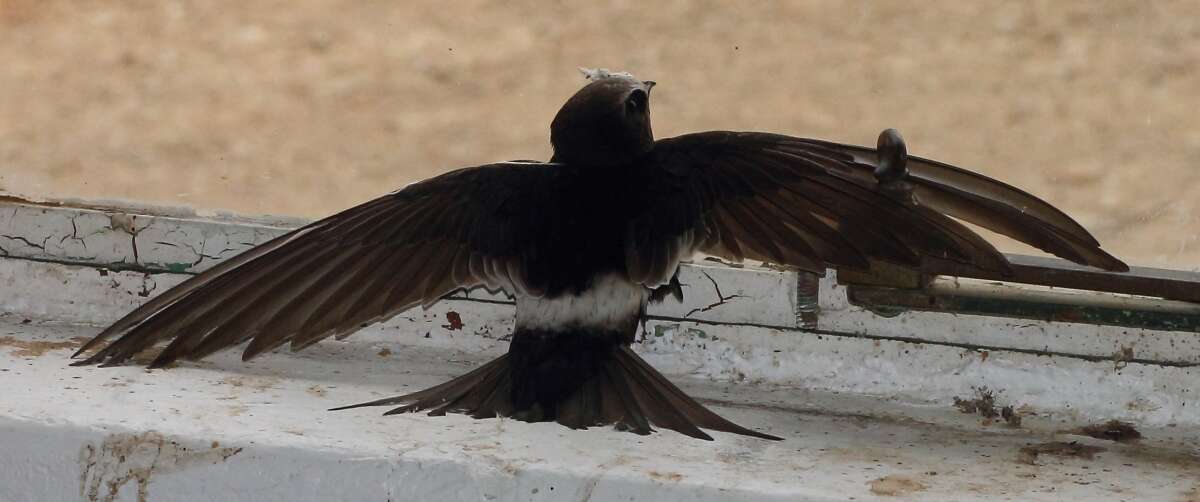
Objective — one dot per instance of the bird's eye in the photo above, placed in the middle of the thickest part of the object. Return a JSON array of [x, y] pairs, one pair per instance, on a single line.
[[636, 102]]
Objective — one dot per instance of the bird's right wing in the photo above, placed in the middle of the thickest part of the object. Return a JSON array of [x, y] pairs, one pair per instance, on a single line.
[[816, 205], [470, 227]]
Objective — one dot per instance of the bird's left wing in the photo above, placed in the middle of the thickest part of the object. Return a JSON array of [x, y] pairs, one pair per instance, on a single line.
[[470, 227], [817, 205]]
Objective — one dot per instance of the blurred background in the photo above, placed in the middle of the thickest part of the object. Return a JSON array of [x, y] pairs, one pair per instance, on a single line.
[[307, 107]]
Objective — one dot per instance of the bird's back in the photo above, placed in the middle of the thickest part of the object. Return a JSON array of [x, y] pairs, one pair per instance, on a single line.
[[583, 231]]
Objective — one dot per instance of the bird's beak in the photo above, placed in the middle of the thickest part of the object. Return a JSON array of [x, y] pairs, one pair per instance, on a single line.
[[649, 84]]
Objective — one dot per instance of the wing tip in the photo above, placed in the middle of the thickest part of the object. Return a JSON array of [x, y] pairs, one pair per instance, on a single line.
[[1112, 263], [92, 343], [161, 362], [99, 357]]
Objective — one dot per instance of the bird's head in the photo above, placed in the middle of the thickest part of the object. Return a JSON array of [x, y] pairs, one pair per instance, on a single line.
[[606, 123]]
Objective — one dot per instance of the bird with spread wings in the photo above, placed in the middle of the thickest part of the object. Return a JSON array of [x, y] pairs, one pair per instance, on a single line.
[[582, 243]]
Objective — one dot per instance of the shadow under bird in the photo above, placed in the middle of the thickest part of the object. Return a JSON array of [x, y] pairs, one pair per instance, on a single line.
[[583, 242]]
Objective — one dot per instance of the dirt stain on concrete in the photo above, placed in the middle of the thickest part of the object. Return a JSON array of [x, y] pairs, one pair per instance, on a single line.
[[895, 486], [1159, 457], [984, 404], [1029, 454], [123, 458], [666, 476], [31, 348], [1112, 430], [256, 383]]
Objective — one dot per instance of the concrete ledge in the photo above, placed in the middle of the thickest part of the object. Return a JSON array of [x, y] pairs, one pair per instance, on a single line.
[[866, 402], [918, 357], [231, 431]]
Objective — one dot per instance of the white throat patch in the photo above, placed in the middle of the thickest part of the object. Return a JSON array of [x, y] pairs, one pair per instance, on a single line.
[[611, 303]]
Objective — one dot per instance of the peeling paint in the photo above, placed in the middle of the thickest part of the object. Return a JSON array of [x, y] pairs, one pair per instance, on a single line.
[[122, 240], [178, 267]]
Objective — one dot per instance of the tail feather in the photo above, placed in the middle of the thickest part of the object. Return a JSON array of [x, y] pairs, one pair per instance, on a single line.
[[632, 418], [437, 396], [658, 405], [623, 391], [497, 402], [585, 407], [696, 412], [485, 396]]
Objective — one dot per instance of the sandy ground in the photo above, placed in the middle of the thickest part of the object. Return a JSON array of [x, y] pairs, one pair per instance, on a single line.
[[308, 107]]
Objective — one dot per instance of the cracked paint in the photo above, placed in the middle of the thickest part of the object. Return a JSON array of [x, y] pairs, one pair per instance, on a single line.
[[721, 299], [734, 295], [744, 296], [718, 345], [120, 240]]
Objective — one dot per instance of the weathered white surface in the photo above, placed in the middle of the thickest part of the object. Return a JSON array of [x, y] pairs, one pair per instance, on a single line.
[[747, 296], [170, 241], [224, 430], [860, 398], [72, 293], [1115, 342], [121, 239], [907, 369], [1060, 390]]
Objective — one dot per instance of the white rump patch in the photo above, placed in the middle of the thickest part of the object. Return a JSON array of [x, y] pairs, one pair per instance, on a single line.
[[610, 303]]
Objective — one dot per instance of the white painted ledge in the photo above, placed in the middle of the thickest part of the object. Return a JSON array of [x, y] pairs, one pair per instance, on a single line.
[[865, 403], [224, 430]]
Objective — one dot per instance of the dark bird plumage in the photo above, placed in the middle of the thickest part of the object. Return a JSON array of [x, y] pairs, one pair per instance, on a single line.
[[582, 242]]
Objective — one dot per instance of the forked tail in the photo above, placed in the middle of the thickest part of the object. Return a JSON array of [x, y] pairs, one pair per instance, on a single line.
[[576, 380]]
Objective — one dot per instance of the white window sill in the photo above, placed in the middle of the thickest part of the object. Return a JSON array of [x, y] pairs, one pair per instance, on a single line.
[[231, 431], [865, 403]]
